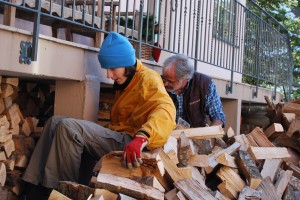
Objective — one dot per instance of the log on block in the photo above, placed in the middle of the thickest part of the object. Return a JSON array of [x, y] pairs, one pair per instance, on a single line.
[[249, 169], [258, 153], [201, 132], [193, 190], [112, 164], [270, 168], [128, 187]]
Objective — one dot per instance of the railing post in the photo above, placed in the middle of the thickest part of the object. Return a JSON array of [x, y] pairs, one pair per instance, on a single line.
[[140, 28], [197, 35], [36, 30]]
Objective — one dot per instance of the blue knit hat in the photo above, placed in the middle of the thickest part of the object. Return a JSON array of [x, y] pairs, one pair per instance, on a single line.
[[116, 51]]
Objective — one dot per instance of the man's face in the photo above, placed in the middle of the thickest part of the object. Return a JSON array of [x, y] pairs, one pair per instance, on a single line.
[[172, 84], [117, 75]]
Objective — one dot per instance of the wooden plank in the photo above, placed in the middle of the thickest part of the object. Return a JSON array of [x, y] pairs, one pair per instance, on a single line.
[[270, 168], [249, 169], [259, 153], [128, 187], [193, 190], [201, 132]]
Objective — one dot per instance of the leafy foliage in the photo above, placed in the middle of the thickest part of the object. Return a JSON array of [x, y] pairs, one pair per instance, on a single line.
[[281, 10]]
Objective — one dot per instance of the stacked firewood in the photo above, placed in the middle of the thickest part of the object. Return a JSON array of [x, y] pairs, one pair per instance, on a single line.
[[205, 163], [16, 144]]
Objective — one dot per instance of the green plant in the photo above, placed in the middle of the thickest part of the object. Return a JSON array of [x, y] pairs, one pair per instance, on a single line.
[[147, 33]]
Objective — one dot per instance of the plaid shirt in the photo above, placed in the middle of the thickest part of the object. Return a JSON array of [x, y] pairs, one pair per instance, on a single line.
[[213, 105]]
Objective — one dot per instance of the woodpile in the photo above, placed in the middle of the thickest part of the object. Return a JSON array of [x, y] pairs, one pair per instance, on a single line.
[[205, 163], [17, 128]]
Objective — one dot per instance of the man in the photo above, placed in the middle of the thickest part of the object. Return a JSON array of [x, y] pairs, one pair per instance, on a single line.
[[143, 115], [194, 94]]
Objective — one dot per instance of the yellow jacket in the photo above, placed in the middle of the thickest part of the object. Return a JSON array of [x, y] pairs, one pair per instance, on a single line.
[[144, 105]]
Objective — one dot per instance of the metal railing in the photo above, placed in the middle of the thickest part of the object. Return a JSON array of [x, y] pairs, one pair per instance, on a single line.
[[222, 33]]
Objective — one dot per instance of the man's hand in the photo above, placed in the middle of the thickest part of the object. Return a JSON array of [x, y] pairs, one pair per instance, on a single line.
[[132, 151]]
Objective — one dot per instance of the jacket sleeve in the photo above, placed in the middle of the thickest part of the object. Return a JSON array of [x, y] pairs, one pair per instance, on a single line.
[[160, 111]]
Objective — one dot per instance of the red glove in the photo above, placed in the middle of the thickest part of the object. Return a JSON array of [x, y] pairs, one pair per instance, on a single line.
[[132, 151]]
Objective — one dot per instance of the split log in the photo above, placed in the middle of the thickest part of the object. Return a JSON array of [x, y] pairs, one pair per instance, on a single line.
[[249, 193], [193, 190], [227, 160], [249, 169], [290, 107], [128, 187], [227, 174], [198, 160], [282, 181], [228, 190], [287, 119], [6, 90], [11, 81], [171, 195], [273, 131], [8, 147], [184, 150], [270, 168], [243, 140], [212, 157], [268, 190], [260, 138], [295, 126], [2, 174]]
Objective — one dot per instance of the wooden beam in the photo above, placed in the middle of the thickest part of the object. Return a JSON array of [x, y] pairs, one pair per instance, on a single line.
[[259, 153], [201, 132]]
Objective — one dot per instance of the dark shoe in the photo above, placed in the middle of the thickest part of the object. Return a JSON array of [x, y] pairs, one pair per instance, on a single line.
[[35, 192]]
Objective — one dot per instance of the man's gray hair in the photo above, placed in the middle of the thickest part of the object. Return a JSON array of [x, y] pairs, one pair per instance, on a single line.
[[183, 68]]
